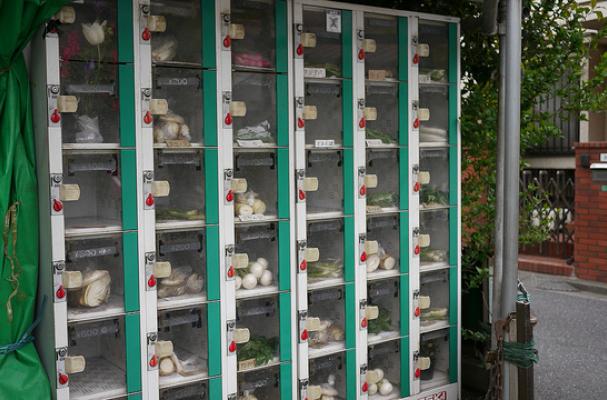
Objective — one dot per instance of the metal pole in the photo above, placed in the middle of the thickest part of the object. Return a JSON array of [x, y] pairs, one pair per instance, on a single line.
[[511, 167]]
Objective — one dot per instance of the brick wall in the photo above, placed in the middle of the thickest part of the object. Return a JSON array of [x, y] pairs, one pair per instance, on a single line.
[[590, 249]]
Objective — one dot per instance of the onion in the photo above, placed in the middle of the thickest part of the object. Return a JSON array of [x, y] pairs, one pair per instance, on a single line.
[[256, 269], [372, 389], [385, 387], [263, 262], [388, 263], [266, 278], [166, 367], [259, 207], [238, 282], [249, 281]]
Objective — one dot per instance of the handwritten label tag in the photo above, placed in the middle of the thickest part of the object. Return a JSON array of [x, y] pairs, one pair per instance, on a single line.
[[324, 143], [250, 143], [315, 73], [374, 142]]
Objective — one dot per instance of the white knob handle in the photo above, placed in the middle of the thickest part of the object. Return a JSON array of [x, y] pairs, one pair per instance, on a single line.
[[67, 104], [157, 23]]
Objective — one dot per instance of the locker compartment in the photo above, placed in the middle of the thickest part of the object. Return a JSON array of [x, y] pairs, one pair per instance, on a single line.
[[383, 163], [261, 317], [435, 223], [97, 175], [327, 166], [94, 277], [383, 97], [258, 91], [383, 376], [434, 165], [435, 98], [435, 345], [384, 294], [195, 391], [329, 372], [260, 243], [90, 32], [382, 61], [435, 285], [185, 252], [102, 344], [327, 305], [183, 170], [324, 59], [434, 65], [256, 47], [182, 89], [180, 40], [97, 114], [185, 358], [385, 230], [328, 237], [261, 384], [260, 199], [326, 130]]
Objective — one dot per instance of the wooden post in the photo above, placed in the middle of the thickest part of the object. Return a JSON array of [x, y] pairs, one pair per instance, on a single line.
[[524, 333]]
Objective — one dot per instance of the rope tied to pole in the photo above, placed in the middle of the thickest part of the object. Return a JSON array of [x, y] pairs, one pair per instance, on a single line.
[[27, 336], [9, 235], [523, 355]]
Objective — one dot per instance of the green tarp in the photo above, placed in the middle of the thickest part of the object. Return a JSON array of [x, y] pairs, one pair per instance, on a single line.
[[23, 376]]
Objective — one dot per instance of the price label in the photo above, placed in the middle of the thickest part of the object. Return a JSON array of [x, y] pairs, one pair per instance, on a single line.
[[250, 143], [315, 73], [323, 143], [374, 142]]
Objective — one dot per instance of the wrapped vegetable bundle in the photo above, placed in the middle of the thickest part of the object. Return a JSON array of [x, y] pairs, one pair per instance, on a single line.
[[382, 199], [94, 291], [248, 204], [181, 281], [258, 348], [172, 364], [381, 260], [433, 255], [328, 269], [171, 127], [328, 332], [383, 322], [173, 213]]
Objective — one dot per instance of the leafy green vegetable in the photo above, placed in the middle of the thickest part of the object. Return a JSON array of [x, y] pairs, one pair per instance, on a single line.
[[379, 135], [431, 196], [260, 348], [432, 255], [174, 213], [382, 323], [382, 199], [325, 269]]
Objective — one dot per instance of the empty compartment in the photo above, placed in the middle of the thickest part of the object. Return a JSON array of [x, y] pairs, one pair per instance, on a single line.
[[182, 349], [260, 243], [435, 345], [94, 277], [96, 116], [435, 285], [383, 96], [327, 166], [384, 371], [195, 391], [385, 230], [434, 65], [92, 34], [384, 163], [183, 170], [260, 199], [385, 295], [99, 205], [435, 98], [182, 89], [328, 238], [435, 224], [255, 47], [258, 92], [181, 41], [186, 254], [102, 344], [382, 61], [328, 306], [326, 130], [434, 164], [261, 318], [329, 372], [260, 384], [324, 59]]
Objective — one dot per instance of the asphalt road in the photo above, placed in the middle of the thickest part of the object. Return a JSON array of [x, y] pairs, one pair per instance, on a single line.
[[571, 337]]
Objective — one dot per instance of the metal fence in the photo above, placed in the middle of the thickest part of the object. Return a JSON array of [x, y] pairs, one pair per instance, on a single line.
[[556, 210]]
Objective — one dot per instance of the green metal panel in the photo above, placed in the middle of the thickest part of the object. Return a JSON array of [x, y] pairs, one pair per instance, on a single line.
[[405, 383], [453, 248], [282, 110], [404, 242], [453, 296], [209, 108], [346, 44], [207, 8], [403, 53], [453, 354], [134, 396], [125, 30], [403, 90], [128, 172], [348, 172], [351, 375], [453, 83], [133, 352], [211, 179], [130, 266], [215, 392], [403, 114], [351, 321], [349, 256], [284, 191], [214, 334], [284, 256], [284, 304], [212, 253], [282, 34], [286, 387], [126, 94], [403, 168], [404, 305], [453, 176], [347, 94]]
